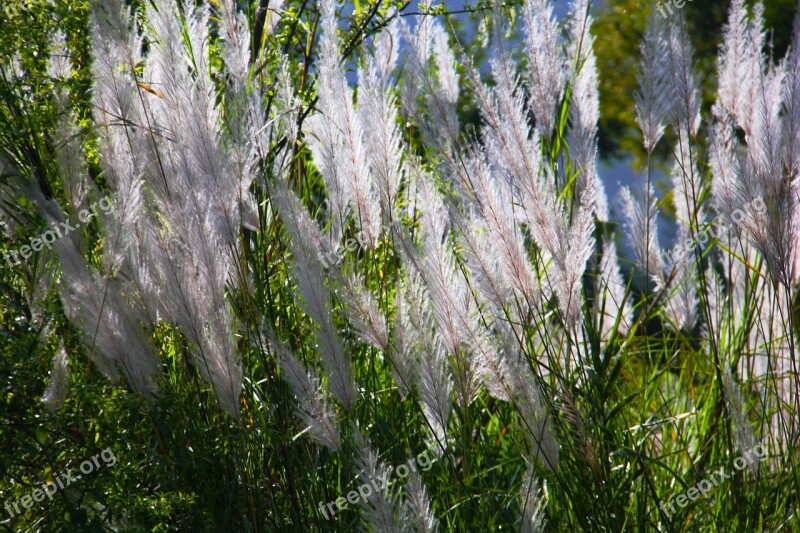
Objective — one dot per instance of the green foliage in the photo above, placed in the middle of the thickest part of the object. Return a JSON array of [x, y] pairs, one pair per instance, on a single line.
[[183, 465]]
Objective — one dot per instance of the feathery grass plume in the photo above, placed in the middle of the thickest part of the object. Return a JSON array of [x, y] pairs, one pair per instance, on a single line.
[[326, 140], [584, 112], [570, 265], [109, 329], [726, 161], [484, 265], [547, 63], [534, 500], [737, 84], [71, 159], [685, 190], [680, 74], [513, 149], [415, 65], [198, 187], [210, 164], [436, 264], [445, 65], [362, 310], [526, 396], [359, 180], [507, 377], [495, 371], [403, 348], [754, 173], [642, 233], [447, 76], [116, 49], [417, 513], [287, 103], [312, 407], [437, 117], [490, 175], [653, 102], [742, 432], [567, 245], [453, 306], [611, 300], [386, 51], [378, 116], [681, 305], [380, 506], [772, 228], [427, 357], [791, 102], [493, 198], [58, 384], [236, 44], [338, 139], [242, 107], [184, 166], [755, 61], [310, 280], [791, 156]]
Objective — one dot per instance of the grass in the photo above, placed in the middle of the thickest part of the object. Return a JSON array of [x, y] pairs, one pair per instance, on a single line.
[[640, 417]]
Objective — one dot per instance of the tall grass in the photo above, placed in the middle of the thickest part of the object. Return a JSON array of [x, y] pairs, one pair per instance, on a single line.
[[310, 278]]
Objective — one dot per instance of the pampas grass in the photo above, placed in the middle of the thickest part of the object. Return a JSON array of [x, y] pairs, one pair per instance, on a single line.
[[358, 272]]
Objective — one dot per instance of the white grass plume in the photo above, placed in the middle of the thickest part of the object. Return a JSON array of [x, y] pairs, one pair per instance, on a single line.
[[653, 102], [610, 298], [735, 65], [362, 311], [380, 506], [427, 359], [452, 304], [547, 62], [338, 139], [682, 80], [641, 228], [109, 329], [315, 295], [58, 383], [584, 112], [378, 117], [417, 511], [311, 405], [534, 501], [681, 305], [736, 407]]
